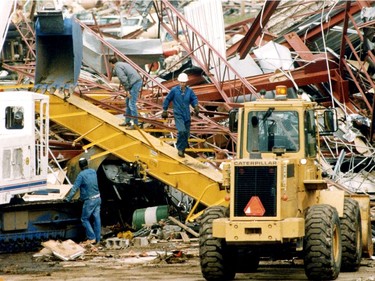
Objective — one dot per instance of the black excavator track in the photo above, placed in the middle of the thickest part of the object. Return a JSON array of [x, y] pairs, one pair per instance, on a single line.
[[25, 225]]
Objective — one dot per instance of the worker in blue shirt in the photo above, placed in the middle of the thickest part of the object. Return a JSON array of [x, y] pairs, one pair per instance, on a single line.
[[87, 183], [132, 83], [182, 97]]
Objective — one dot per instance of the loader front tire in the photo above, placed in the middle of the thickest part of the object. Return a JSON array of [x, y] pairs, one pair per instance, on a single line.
[[351, 235], [215, 257], [322, 243]]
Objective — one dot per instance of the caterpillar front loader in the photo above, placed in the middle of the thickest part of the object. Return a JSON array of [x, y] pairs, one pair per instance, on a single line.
[[280, 206]]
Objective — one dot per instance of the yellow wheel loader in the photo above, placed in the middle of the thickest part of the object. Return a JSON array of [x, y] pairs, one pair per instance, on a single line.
[[280, 205]]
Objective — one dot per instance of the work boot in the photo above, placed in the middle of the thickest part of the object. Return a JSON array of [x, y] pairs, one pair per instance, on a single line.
[[125, 124], [130, 127], [181, 153], [89, 242]]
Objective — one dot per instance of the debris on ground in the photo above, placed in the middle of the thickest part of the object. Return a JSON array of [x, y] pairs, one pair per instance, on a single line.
[[178, 246], [64, 250]]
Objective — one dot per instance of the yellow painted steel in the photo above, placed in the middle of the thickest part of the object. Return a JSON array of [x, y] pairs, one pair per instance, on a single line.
[[160, 160], [17, 86]]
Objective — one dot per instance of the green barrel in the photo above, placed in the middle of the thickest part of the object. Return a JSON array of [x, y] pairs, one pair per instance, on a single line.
[[149, 216]]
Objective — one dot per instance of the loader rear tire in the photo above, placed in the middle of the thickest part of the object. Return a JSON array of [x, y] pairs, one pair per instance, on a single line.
[[215, 257], [322, 243], [351, 235]]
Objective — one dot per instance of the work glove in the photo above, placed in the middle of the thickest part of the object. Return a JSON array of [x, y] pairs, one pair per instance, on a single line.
[[164, 115], [196, 111], [125, 94]]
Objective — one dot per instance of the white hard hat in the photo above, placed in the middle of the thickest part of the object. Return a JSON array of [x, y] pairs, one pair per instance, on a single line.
[[182, 77]]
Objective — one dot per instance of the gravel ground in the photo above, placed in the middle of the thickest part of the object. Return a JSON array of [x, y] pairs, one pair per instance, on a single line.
[[160, 261]]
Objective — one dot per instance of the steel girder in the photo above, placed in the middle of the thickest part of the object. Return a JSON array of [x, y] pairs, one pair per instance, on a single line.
[[194, 43]]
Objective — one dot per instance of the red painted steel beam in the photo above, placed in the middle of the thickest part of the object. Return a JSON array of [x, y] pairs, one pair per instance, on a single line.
[[335, 20], [300, 47], [343, 41], [65, 154], [203, 53], [312, 74], [266, 37], [256, 28], [241, 25]]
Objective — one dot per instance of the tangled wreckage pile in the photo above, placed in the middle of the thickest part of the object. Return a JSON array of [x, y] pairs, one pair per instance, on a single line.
[[323, 50]]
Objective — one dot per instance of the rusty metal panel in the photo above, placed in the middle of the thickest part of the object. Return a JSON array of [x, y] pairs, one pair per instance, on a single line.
[[15, 220]]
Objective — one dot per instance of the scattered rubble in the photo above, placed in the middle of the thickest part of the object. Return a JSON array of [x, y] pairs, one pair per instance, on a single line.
[[323, 48], [134, 250], [65, 250]]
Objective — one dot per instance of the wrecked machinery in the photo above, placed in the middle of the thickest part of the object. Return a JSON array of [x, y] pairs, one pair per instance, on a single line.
[[18, 139], [280, 204], [26, 216], [24, 153], [31, 208], [58, 50], [125, 186]]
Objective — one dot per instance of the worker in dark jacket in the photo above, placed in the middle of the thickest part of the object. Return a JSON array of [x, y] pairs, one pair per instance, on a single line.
[[87, 183], [182, 97], [132, 83]]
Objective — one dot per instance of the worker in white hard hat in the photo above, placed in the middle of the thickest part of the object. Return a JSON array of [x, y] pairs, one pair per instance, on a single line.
[[182, 97]]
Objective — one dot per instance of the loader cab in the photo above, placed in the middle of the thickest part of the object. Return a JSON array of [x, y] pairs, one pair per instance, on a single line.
[[281, 125], [270, 129]]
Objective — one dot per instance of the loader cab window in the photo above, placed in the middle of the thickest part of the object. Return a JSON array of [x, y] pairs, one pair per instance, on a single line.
[[310, 134], [268, 129], [14, 117]]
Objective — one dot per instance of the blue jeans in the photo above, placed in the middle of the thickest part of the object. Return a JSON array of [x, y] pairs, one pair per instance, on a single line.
[[131, 103], [183, 133], [91, 209]]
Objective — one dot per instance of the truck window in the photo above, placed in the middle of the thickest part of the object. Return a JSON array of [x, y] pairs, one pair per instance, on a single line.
[[268, 129], [14, 117]]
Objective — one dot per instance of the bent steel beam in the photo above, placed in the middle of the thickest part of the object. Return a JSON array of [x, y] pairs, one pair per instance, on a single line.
[[256, 28]]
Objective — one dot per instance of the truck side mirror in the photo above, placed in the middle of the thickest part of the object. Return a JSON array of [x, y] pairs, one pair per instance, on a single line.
[[330, 120], [233, 120]]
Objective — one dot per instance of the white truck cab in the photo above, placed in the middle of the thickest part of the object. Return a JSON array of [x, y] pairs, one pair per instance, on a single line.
[[24, 131]]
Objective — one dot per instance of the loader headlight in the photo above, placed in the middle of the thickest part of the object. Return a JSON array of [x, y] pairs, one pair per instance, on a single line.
[[226, 175], [284, 174], [303, 161]]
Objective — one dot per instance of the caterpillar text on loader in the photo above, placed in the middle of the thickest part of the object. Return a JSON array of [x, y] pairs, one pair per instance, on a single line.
[[280, 205]]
